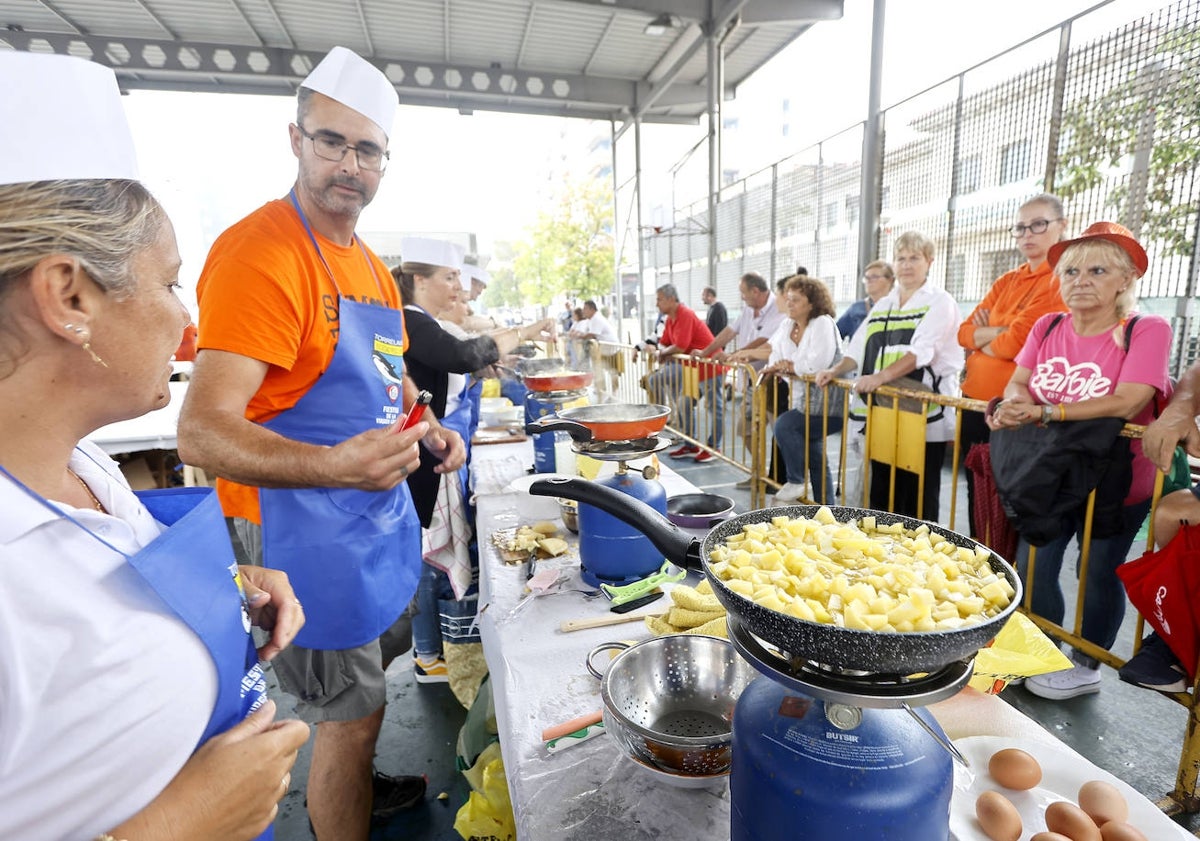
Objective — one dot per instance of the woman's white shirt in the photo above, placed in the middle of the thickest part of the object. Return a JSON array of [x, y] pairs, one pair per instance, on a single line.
[[816, 350], [103, 691]]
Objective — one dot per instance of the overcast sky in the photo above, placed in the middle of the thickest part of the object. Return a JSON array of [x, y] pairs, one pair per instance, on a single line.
[[214, 157]]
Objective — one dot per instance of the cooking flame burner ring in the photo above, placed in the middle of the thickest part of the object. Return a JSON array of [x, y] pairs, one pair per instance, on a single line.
[[621, 450], [840, 686]]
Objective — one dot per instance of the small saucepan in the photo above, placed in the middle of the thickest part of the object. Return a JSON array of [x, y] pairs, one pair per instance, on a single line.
[[606, 422], [698, 511]]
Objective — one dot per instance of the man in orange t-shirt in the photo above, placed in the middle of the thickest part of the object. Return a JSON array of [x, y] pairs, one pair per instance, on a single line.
[[293, 404], [996, 329]]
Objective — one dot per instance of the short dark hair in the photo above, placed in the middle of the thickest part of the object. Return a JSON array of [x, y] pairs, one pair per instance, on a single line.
[[590, 303], [801, 271], [708, 290], [755, 281]]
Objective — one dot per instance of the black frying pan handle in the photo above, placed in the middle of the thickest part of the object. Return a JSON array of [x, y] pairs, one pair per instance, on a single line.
[[553, 423], [677, 546]]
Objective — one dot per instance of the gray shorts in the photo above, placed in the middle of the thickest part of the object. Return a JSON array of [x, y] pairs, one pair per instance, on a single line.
[[341, 685]]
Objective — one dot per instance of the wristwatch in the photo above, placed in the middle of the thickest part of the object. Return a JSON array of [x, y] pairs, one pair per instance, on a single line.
[[1047, 414]]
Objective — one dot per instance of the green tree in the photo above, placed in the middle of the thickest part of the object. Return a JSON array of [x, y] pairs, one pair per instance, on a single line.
[[569, 250], [1146, 127]]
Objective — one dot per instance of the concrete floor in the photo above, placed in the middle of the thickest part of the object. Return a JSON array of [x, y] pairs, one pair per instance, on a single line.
[[1133, 733]]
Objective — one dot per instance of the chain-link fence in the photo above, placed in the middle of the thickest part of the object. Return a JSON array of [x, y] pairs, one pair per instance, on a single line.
[[1105, 115]]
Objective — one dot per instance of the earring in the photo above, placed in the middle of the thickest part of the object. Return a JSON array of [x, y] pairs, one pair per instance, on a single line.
[[87, 345], [72, 327]]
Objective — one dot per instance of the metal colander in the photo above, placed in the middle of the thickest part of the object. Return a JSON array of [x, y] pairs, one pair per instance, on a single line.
[[669, 701]]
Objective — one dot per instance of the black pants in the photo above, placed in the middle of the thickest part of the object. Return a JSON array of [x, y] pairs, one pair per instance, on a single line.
[[974, 431], [907, 484]]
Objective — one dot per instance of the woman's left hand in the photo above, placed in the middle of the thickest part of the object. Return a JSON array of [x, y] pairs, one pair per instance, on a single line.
[[1014, 412], [273, 607]]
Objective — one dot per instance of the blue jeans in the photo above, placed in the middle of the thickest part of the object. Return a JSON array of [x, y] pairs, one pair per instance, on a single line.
[[426, 623], [789, 433], [710, 396], [1104, 595]]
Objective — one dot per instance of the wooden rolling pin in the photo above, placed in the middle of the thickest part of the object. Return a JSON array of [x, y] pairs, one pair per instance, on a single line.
[[601, 621]]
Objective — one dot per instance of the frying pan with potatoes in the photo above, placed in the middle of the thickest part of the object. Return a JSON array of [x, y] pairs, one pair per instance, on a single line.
[[866, 648]]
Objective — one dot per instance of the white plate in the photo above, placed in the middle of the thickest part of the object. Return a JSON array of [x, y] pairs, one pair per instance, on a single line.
[[1063, 772], [521, 483]]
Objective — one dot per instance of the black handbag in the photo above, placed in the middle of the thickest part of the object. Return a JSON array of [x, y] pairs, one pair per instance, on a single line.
[[1045, 473]]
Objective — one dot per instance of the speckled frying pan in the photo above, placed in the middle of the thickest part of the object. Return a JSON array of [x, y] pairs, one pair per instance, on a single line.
[[868, 651]]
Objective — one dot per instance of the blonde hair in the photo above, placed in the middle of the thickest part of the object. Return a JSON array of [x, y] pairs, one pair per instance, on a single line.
[[1096, 250], [914, 243], [103, 224]]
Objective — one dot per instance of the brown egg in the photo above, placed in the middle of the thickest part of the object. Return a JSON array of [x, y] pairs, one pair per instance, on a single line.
[[1015, 769], [1049, 836], [1121, 831], [1068, 819], [1103, 802], [998, 817]]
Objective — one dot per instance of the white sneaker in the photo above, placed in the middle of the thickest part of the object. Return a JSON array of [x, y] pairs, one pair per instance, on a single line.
[[1069, 683], [789, 492]]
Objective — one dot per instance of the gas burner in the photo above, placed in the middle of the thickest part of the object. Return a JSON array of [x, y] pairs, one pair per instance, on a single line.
[[558, 396], [841, 686], [621, 450]]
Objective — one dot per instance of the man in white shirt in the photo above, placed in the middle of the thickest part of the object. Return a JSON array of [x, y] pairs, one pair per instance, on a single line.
[[757, 322], [600, 340]]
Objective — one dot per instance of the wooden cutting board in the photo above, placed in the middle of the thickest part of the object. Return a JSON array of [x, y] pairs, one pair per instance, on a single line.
[[497, 435]]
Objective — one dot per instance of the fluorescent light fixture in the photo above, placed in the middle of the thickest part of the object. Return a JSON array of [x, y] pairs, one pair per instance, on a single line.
[[661, 24]]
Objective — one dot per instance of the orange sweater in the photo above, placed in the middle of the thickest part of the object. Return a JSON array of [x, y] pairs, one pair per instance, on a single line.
[[1016, 300]]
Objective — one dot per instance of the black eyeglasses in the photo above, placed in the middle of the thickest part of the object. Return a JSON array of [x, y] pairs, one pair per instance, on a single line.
[[1037, 226], [331, 147]]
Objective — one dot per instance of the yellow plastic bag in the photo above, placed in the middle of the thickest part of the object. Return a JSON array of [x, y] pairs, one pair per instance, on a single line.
[[1019, 650], [487, 815]]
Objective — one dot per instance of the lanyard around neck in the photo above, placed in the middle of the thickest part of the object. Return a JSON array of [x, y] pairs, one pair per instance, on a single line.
[[313, 239]]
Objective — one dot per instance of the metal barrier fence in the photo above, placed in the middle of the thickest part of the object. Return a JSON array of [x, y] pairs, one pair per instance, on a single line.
[[894, 440], [1102, 110]]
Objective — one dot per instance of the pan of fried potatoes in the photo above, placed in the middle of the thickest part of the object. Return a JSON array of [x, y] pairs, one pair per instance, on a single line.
[[847, 587]]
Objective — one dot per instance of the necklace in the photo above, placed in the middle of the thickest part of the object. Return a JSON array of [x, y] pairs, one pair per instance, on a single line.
[[95, 501]]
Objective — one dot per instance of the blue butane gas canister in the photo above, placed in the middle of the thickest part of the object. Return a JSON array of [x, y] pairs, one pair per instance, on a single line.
[[613, 552], [540, 404], [797, 774]]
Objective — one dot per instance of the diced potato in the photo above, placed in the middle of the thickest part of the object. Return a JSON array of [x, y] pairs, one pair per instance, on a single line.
[[860, 575]]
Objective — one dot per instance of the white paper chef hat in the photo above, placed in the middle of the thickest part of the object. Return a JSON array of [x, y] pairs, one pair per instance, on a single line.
[[347, 77], [478, 274], [62, 119], [433, 252]]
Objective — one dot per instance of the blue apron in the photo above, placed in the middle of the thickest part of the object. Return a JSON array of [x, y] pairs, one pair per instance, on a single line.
[[353, 556], [191, 567]]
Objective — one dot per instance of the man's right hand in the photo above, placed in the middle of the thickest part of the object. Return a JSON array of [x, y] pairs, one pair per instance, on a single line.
[[1175, 426], [375, 460]]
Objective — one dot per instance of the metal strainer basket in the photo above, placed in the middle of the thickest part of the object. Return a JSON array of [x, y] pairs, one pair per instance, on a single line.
[[669, 700]]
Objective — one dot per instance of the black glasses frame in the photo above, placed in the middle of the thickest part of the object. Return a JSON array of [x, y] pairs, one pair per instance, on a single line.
[[385, 155]]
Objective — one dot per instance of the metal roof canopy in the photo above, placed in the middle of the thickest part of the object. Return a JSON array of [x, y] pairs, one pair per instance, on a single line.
[[579, 58]]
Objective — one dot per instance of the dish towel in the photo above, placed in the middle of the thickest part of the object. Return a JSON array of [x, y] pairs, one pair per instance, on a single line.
[[444, 543]]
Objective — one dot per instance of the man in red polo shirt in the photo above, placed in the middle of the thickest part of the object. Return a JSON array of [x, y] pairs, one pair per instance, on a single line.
[[683, 333]]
